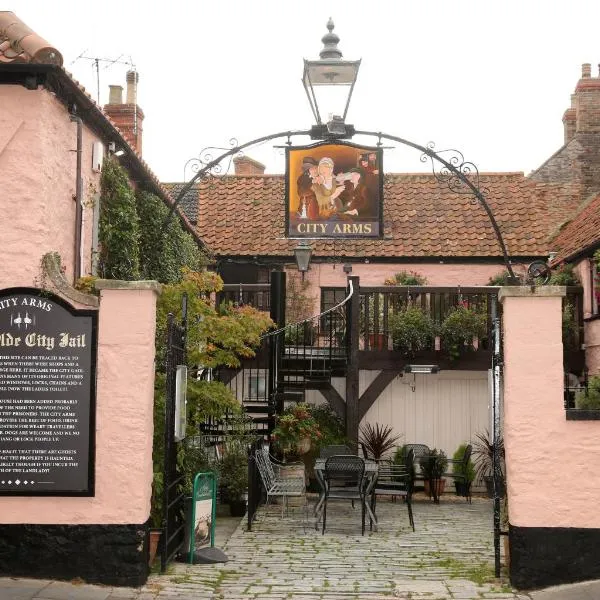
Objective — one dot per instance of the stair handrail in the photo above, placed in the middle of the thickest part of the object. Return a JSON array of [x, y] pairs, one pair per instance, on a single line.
[[325, 312]]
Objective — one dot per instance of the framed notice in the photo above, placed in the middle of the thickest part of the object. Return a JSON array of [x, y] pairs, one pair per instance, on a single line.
[[180, 402], [334, 191], [47, 395]]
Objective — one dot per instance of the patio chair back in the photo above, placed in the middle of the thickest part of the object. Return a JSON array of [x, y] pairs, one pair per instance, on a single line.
[[346, 470], [265, 468]]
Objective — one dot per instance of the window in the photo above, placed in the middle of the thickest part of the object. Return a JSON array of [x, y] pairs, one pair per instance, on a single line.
[[257, 385], [330, 297]]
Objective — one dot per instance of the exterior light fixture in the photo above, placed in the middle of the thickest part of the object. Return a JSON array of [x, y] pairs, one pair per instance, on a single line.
[[347, 268], [421, 369], [329, 83], [302, 253]]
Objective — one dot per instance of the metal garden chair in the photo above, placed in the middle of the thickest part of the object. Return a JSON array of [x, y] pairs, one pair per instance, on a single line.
[[343, 480], [420, 450], [274, 484], [396, 481]]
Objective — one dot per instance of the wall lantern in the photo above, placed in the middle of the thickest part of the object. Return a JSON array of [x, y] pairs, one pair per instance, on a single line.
[[302, 253], [421, 369], [329, 83]]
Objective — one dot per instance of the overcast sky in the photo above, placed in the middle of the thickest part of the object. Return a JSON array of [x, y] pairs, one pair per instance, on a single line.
[[492, 79]]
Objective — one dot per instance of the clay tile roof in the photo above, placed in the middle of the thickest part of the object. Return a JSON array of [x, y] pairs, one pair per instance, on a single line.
[[189, 203], [18, 43], [244, 216], [579, 234]]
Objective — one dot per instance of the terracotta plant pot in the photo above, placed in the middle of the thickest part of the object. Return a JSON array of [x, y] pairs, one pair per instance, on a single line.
[[303, 446], [153, 544], [378, 341], [440, 486]]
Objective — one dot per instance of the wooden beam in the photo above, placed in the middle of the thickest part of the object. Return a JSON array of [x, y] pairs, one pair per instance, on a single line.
[[336, 401], [353, 309], [374, 391]]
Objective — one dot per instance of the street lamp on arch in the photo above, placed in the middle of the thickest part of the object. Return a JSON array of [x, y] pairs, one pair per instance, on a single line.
[[329, 83]]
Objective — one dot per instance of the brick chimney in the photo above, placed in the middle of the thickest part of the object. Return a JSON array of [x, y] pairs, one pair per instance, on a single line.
[[128, 117], [569, 120], [587, 102], [244, 165]]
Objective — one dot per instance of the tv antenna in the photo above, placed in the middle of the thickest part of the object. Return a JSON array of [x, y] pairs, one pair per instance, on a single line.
[[95, 60]]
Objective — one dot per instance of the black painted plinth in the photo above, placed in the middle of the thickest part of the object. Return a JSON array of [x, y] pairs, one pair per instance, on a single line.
[[107, 554], [545, 556]]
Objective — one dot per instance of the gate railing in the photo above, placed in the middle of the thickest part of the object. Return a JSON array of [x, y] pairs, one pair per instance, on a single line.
[[173, 479], [255, 494]]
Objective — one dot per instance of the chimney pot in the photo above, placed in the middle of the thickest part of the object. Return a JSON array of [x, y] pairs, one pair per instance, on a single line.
[[132, 79], [586, 70], [115, 94]]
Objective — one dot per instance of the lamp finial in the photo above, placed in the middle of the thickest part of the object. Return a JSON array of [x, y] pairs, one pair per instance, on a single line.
[[330, 41]]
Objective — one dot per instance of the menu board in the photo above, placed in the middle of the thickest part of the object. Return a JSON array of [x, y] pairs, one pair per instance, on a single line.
[[47, 395]]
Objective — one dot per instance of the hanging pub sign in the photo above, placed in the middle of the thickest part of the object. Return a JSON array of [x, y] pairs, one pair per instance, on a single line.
[[47, 395], [334, 191]]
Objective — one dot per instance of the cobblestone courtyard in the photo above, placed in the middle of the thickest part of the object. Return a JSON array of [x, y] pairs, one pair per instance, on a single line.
[[450, 556]]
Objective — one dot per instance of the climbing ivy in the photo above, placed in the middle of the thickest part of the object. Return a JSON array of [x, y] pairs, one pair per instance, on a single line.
[[134, 241], [164, 250], [119, 229]]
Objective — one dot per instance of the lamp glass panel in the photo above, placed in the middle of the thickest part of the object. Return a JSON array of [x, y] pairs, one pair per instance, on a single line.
[[323, 72], [302, 254]]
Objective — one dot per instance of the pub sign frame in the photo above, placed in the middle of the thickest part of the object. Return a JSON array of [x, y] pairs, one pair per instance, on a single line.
[[334, 191], [31, 311]]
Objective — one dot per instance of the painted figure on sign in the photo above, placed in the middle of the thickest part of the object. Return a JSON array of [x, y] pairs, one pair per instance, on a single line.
[[309, 208], [326, 187]]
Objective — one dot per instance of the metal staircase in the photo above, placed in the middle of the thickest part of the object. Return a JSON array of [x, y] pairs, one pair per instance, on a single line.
[[291, 360]]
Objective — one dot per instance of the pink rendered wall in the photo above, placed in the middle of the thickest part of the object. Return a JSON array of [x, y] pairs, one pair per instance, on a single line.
[[37, 183], [124, 426], [550, 461], [374, 274]]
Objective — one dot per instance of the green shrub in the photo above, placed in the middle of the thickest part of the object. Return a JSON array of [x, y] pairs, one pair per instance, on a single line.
[[434, 464], [564, 275], [502, 278], [459, 469], [460, 326], [406, 278], [412, 330], [589, 399]]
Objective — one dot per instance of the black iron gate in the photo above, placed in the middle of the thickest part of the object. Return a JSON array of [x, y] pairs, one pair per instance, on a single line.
[[497, 458], [173, 499]]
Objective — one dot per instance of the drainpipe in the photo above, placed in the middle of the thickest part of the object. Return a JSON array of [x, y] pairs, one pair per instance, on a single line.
[[78, 199]]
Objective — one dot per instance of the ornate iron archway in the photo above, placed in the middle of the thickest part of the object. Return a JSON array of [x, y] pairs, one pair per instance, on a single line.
[[448, 166]]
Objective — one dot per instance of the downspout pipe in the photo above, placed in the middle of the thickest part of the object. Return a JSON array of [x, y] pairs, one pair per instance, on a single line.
[[78, 198]]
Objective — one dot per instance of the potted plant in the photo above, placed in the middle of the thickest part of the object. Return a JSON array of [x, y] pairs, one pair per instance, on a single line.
[[296, 431], [406, 278], [233, 471], [378, 440], [483, 461], [464, 474], [462, 325], [433, 466], [412, 330]]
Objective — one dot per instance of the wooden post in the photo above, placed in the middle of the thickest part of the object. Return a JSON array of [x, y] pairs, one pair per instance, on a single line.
[[352, 413], [276, 341]]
